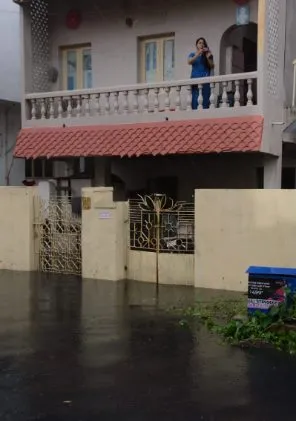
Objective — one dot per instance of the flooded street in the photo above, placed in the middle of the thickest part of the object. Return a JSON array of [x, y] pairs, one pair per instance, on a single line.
[[91, 350]]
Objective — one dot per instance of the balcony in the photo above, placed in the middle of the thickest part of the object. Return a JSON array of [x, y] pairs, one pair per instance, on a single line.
[[231, 95], [126, 62]]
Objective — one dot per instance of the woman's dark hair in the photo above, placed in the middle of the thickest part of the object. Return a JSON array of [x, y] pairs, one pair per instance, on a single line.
[[202, 39]]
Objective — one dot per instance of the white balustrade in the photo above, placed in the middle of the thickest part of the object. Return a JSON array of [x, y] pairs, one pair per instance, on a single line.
[[136, 101], [125, 102], [107, 102], [78, 108], [236, 90], [237, 94], [224, 95], [250, 92], [167, 91], [156, 100], [189, 98], [200, 98], [178, 98], [145, 100], [212, 96], [115, 102]]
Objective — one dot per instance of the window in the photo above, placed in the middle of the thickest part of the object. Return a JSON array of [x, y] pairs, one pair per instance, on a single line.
[[77, 67], [38, 168], [157, 59]]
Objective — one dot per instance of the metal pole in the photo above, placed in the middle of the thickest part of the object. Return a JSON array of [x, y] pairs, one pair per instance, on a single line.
[[157, 227]]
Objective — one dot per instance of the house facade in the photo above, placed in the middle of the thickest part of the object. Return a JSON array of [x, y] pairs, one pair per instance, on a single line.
[[11, 170], [107, 95]]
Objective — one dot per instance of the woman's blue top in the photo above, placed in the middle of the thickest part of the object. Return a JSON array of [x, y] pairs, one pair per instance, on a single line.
[[200, 67]]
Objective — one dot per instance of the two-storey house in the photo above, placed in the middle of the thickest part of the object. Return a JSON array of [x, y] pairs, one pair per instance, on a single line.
[[12, 171], [108, 95]]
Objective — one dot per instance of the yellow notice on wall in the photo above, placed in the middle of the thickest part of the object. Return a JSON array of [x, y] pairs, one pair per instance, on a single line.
[[86, 203], [261, 25]]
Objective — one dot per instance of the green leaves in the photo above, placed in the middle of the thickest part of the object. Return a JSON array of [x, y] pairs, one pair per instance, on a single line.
[[229, 319]]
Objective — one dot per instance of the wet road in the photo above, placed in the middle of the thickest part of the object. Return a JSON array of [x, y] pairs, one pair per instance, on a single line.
[[76, 351]]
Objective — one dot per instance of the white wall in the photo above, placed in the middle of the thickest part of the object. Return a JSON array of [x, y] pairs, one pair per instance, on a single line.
[[114, 45], [10, 124], [10, 69]]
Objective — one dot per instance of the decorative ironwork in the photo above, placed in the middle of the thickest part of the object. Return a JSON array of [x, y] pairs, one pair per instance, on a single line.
[[58, 240], [273, 49], [159, 224], [40, 45]]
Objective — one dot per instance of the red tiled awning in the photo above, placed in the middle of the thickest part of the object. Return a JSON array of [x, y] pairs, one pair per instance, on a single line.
[[238, 134]]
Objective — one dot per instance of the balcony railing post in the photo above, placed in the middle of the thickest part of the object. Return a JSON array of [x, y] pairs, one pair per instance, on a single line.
[[60, 107], [189, 98], [167, 91], [125, 102], [156, 100], [212, 96], [200, 97], [116, 103], [224, 95], [107, 102], [250, 92], [237, 94], [145, 100], [33, 109], [136, 101], [178, 98]]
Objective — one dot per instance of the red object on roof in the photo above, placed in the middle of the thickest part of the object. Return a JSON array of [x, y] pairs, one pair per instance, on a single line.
[[238, 134]]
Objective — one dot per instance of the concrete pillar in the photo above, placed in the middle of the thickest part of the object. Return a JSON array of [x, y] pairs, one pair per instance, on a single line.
[[104, 235], [272, 172], [26, 57], [102, 172], [17, 218]]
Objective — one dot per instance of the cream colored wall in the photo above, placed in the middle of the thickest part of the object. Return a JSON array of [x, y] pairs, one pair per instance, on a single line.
[[235, 229], [16, 228], [104, 236], [173, 269]]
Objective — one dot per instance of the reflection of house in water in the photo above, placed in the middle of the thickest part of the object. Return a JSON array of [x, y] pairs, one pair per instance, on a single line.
[[55, 339]]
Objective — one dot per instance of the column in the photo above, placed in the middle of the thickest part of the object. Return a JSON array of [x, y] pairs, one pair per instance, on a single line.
[[272, 172], [104, 235]]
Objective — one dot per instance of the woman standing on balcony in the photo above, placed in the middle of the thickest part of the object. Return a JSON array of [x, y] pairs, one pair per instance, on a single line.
[[202, 63]]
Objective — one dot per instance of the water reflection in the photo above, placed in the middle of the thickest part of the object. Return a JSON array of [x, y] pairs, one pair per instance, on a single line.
[[73, 350]]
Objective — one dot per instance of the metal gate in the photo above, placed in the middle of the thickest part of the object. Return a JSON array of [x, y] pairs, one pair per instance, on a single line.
[[160, 225], [57, 236]]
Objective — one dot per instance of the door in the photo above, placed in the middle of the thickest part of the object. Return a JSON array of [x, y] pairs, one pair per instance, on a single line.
[[238, 60]]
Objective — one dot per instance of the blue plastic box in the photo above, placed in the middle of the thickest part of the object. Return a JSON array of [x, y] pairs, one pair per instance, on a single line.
[[267, 287]]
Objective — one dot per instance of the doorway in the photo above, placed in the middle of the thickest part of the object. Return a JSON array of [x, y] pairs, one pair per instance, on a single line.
[[238, 54]]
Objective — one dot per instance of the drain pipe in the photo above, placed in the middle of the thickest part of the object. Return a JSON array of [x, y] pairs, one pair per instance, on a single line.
[[6, 151]]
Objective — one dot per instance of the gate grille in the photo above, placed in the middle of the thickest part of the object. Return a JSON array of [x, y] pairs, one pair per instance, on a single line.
[[58, 236], [159, 224]]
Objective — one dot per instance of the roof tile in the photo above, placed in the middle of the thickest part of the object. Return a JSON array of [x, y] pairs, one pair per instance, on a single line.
[[237, 134]]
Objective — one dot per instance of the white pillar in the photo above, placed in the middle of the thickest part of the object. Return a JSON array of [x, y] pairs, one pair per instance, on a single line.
[[272, 172]]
